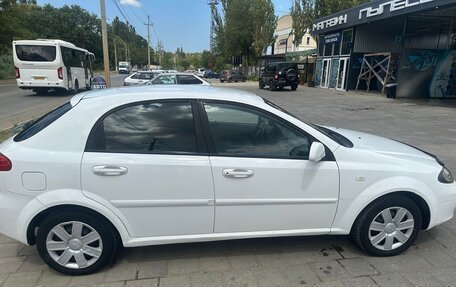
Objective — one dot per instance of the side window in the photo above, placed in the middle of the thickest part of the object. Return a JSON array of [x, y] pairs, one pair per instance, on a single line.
[[136, 76], [164, 80], [241, 131], [147, 128], [188, 80]]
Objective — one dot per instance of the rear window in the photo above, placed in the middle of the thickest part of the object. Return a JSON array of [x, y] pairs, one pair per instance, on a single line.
[[286, 66], [40, 124], [35, 53]]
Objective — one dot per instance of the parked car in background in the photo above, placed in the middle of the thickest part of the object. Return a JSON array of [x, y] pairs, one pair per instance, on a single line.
[[124, 67], [134, 69], [140, 78], [211, 75], [200, 72], [231, 76], [162, 165], [178, 79], [279, 75]]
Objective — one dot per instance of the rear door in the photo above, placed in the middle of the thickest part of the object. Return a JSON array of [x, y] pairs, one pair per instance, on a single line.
[[148, 161]]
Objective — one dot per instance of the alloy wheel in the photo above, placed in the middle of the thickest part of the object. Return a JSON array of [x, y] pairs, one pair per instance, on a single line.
[[74, 244], [391, 228]]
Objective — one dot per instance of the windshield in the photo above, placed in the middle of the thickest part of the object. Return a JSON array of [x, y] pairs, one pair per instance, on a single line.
[[35, 53]]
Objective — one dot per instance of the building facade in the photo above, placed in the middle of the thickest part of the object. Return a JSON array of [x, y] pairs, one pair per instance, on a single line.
[[285, 38], [407, 43]]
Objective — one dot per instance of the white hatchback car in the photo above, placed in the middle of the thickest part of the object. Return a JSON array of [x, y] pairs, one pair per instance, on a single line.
[[178, 79], [170, 164], [141, 77]]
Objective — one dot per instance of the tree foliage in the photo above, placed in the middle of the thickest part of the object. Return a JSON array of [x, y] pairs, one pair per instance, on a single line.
[[243, 27]]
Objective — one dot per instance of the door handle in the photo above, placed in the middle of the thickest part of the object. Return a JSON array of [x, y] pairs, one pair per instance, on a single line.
[[104, 170], [238, 173]]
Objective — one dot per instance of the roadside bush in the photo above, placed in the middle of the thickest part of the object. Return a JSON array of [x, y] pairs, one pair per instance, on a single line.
[[6, 66], [254, 78]]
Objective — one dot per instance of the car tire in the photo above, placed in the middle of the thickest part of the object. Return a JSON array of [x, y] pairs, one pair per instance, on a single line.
[[293, 88], [221, 81], [272, 86], [387, 226], [77, 257], [230, 80], [260, 84], [244, 79]]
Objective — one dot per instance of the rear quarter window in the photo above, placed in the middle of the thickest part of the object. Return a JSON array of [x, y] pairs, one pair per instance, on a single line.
[[40, 124]]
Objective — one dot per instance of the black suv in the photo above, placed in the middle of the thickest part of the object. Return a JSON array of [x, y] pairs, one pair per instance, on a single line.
[[279, 75]]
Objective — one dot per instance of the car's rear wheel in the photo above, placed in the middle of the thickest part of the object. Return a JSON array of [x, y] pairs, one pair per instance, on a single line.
[[387, 226], [76, 243], [294, 87], [221, 81], [272, 86]]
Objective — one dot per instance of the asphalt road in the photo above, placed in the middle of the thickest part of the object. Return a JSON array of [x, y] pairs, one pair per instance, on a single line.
[[17, 106]]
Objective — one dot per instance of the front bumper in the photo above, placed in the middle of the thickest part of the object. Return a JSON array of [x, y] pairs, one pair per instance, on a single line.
[[445, 205]]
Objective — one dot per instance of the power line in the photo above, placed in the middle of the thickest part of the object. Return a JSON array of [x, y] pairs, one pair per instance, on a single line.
[[120, 10]]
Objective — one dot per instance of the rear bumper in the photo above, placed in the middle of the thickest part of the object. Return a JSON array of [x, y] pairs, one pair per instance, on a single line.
[[13, 214], [39, 84]]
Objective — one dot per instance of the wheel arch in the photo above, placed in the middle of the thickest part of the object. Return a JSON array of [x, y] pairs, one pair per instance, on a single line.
[[38, 219], [417, 199]]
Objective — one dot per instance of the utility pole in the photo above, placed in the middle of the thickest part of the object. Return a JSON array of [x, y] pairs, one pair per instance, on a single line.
[[115, 46], [148, 41], [212, 4], [104, 35]]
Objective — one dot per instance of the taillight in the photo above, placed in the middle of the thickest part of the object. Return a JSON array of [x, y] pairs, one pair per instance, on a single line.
[[5, 163], [60, 73], [18, 73], [276, 76]]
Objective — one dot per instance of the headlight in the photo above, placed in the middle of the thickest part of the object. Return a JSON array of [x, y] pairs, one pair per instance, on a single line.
[[445, 176]]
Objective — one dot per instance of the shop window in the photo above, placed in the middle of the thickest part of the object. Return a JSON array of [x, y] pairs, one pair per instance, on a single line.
[[336, 50], [347, 37], [328, 50], [321, 45]]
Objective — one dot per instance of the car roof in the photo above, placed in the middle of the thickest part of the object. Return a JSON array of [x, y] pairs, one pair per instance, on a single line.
[[151, 92], [177, 74]]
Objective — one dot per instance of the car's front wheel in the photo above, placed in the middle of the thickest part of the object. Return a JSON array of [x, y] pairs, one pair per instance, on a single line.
[[261, 84], [388, 226], [76, 243]]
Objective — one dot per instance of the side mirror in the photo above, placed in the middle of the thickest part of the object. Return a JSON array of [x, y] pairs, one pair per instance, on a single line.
[[317, 152]]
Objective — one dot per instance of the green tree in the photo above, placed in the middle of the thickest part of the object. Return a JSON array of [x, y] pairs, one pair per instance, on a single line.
[[264, 23], [243, 27], [302, 14]]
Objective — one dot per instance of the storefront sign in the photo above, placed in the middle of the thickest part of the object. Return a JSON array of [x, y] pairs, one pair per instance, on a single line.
[[374, 11], [330, 22], [333, 38], [98, 83], [389, 6]]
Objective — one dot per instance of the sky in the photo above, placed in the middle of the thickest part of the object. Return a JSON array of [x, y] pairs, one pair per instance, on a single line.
[[176, 23]]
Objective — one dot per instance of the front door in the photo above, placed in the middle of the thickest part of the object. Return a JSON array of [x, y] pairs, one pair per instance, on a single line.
[[341, 74], [325, 73], [262, 176], [146, 162]]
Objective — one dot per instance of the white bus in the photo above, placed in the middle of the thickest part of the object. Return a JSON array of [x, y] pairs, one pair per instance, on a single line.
[[45, 64]]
